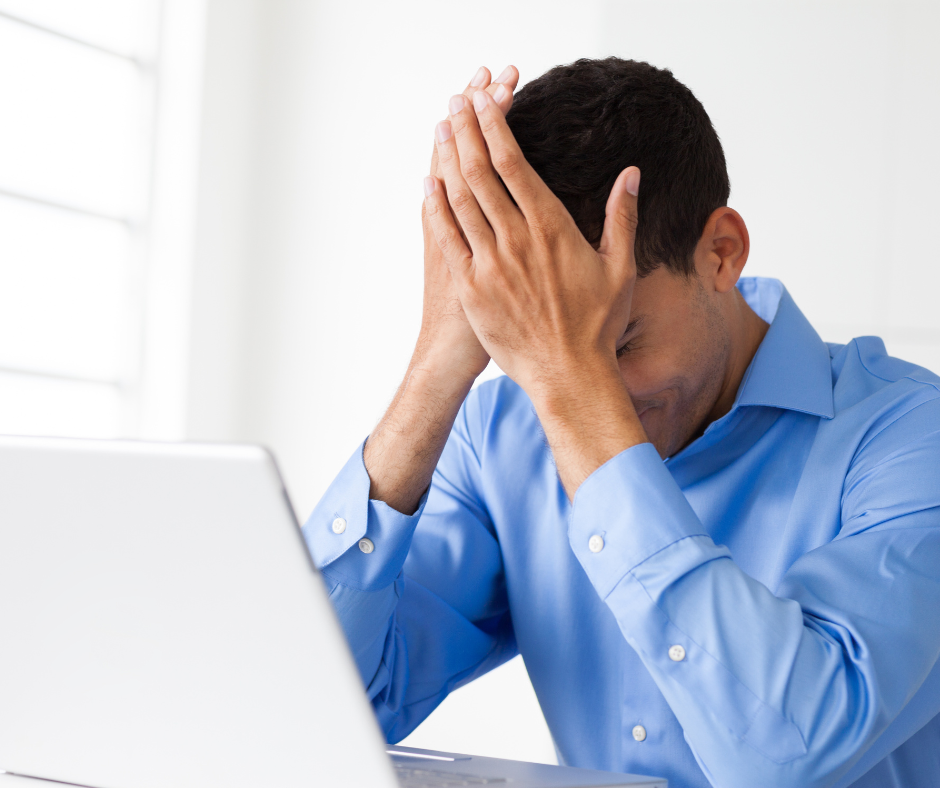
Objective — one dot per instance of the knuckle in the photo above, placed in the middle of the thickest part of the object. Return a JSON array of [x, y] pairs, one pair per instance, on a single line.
[[487, 122], [507, 163], [516, 252], [627, 220], [430, 210], [461, 201], [545, 225], [448, 245], [515, 245], [474, 171], [445, 153]]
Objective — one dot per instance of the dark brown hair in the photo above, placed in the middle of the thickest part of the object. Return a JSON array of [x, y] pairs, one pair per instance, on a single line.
[[582, 124]]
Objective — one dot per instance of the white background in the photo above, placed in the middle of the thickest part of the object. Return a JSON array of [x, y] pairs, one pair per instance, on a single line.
[[302, 299]]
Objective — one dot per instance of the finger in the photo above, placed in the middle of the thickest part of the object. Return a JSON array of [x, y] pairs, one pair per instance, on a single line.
[[476, 167], [481, 81], [524, 183], [509, 78], [438, 215], [620, 220], [460, 195]]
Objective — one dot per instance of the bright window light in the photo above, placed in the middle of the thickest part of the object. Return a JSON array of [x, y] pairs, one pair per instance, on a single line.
[[77, 97], [33, 405], [119, 25], [71, 121], [64, 291]]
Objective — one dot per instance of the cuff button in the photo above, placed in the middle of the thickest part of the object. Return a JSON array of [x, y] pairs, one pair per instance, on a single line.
[[365, 544], [596, 543], [676, 653], [339, 525]]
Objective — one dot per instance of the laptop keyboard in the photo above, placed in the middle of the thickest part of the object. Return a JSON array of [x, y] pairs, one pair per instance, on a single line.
[[410, 777]]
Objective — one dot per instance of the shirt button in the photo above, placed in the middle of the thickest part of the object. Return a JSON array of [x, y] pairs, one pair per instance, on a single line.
[[639, 733], [365, 544], [596, 543], [676, 653], [339, 525]]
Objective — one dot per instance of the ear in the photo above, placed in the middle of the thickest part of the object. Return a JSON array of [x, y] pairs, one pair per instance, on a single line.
[[722, 249]]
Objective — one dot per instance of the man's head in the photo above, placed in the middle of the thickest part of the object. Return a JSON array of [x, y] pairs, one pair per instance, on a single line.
[[581, 125], [691, 334]]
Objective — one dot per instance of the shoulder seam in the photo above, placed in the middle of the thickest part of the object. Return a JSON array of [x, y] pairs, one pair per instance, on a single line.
[[888, 380]]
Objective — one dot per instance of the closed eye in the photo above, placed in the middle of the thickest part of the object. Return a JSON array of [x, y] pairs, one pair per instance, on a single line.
[[633, 330], [623, 350]]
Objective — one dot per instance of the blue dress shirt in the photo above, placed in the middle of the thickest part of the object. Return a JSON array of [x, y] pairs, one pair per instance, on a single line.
[[761, 609]]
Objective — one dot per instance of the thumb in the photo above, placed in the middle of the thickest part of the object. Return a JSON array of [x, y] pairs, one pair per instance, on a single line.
[[621, 219]]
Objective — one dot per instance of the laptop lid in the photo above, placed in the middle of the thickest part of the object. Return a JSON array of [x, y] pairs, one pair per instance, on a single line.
[[163, 625]]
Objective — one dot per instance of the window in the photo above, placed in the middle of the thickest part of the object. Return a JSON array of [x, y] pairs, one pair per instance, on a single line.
[[78, 135]]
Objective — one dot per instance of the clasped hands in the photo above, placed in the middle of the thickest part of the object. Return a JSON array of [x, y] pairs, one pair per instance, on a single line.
[[543, 303]]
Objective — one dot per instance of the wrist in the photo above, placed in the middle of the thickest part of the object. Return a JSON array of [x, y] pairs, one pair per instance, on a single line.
[[402, 451], [454, 366], [588, 418], [575, 385]]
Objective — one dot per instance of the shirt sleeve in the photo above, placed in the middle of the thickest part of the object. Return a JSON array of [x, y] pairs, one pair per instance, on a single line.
[[424, 606], [808, 686]]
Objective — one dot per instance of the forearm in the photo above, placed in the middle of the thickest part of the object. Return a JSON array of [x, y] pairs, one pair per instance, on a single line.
[[390, 617], [403, 450]]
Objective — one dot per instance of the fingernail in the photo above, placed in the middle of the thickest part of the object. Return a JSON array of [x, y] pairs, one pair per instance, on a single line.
[[507, 74], [429, 186], [478, 78], [456, 104], [633, 182], [443, 131], [479, 100], [501, 94]]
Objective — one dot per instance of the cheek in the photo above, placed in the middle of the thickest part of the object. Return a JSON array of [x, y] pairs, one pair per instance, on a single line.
[[659, 424], [653, 421], [649, 374]]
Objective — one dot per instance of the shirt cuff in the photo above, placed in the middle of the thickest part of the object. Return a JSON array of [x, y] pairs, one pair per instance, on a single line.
[[626, 511], [356, 541]]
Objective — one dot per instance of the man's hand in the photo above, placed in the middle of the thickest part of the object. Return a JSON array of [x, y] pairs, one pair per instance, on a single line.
[[402, 451], [446, 339], [545, 305]]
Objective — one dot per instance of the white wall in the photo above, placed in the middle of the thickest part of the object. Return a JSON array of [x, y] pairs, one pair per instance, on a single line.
[[317, 133]]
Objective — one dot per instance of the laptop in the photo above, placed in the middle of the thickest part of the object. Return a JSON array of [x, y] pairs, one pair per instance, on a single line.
[[162, 624]]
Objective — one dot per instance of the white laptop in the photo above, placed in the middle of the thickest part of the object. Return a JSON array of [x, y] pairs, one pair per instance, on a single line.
[[162, 625]]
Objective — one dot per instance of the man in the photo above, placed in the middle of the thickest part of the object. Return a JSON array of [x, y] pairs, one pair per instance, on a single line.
[[714, 538]]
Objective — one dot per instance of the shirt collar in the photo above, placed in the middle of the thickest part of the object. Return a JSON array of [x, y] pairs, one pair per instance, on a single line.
[[792, 368]]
